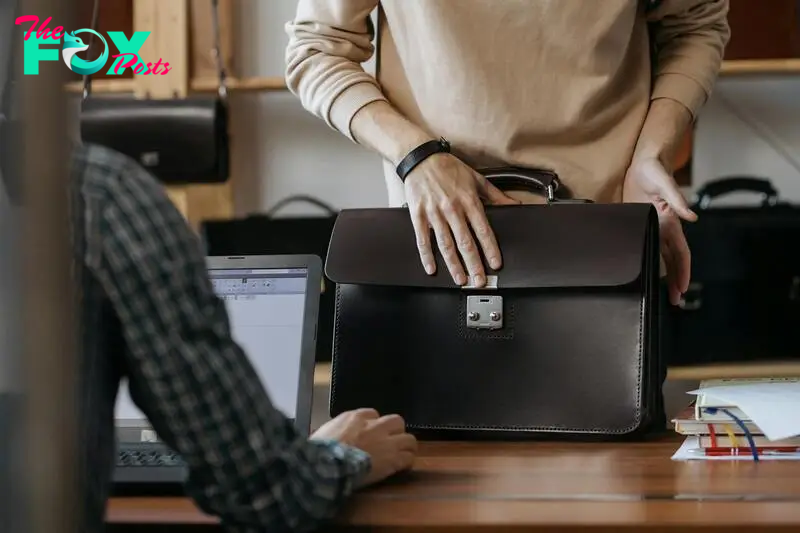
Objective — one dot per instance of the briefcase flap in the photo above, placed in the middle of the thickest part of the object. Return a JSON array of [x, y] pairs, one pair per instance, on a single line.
[[543, 246]]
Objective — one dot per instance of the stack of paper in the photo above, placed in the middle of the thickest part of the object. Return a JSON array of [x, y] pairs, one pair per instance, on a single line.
[[741, 419]]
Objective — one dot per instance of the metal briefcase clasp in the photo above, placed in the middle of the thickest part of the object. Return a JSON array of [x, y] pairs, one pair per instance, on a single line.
[[485, 311]]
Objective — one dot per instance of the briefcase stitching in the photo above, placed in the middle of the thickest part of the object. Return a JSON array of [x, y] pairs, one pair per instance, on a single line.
[[527, 429], [336, 340]]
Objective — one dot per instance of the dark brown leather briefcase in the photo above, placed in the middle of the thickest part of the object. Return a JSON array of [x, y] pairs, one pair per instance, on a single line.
[[563, 342]]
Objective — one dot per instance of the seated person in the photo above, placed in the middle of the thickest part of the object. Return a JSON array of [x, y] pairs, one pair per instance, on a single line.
[[149, 314]]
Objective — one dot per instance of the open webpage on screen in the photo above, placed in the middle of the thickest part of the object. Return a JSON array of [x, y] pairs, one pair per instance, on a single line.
[[270, 330], [266, 317]]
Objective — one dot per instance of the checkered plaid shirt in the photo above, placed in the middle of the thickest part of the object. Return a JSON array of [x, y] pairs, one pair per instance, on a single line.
[[149, 314]]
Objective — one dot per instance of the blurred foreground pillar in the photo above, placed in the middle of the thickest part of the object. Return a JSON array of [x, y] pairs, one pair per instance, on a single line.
[[49, 356], [11, 387]]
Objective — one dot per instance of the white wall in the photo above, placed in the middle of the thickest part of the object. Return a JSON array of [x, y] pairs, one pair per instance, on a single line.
[[282, 150], [751, 126]]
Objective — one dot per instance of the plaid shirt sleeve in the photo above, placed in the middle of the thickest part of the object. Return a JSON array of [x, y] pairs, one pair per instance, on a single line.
[[247, 464]]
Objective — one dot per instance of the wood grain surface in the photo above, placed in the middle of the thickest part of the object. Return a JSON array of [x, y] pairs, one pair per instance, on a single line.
[[549, 487]]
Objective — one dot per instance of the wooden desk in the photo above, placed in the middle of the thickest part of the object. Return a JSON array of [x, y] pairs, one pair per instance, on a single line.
[[460, 487]]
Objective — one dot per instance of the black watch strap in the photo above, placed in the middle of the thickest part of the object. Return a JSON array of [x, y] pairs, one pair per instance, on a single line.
[[420, 154]]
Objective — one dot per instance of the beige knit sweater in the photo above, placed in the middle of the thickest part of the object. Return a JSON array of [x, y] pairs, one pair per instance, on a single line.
[[557, 84]]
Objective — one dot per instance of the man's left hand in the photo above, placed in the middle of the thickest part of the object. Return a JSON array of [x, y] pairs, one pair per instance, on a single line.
[[648, 181]]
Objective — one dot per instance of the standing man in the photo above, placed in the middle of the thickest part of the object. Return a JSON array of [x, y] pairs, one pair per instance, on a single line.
[[562, 85]]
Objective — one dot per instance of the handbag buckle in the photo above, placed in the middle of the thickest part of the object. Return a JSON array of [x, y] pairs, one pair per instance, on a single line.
[[484, 311], [794, 289], [550, 192], [149, 159], [693, 299]]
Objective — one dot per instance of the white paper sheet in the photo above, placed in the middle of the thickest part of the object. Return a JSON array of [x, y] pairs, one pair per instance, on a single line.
[[774, 407], [689, 452]]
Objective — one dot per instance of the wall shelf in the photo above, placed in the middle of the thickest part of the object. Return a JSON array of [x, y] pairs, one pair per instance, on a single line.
[[741, 67], [763, 369], [124, 86]]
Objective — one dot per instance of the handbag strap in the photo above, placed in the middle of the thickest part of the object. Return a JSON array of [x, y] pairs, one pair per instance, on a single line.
[[87, 79], [222, 90], [301, 198], [723, 186]]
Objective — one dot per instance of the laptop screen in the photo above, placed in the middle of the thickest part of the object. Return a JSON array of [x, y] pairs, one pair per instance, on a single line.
[[266, 307]]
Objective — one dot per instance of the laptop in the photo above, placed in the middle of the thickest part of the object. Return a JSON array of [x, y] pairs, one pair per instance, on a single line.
[[272, 303]]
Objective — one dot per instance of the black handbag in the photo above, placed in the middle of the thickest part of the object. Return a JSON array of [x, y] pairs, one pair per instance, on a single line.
[[563, 341], [743, 304], [179, 140], [267, 234]]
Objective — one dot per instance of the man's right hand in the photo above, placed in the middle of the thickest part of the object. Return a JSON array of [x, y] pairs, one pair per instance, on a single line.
[[447, 195], [383, 438]]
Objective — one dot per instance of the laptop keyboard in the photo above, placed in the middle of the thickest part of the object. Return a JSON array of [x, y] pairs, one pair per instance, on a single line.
[[136, 454]]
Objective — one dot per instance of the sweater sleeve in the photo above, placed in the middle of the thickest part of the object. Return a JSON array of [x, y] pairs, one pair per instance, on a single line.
[[328, 42], [690, 38]]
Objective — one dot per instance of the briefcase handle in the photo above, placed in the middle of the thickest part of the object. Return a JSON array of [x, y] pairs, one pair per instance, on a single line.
[[542, 182], [720, 187], [301, 198]]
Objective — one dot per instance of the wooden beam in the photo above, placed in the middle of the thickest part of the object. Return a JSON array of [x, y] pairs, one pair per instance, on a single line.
[[168, 23]]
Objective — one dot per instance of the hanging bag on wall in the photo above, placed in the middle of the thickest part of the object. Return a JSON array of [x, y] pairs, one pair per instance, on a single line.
[[180, 140], [270, 234], [563, 340], [743, 304]]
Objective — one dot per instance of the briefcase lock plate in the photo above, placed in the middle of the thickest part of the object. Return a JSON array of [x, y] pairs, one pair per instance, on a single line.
[[484, 311]]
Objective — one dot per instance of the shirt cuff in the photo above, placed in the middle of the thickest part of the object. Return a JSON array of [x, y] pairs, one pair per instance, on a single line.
[[357, 463], [350, 102], [682, 89]]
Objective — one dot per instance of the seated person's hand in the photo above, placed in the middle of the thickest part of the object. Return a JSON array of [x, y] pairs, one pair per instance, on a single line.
[[384, 438]]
